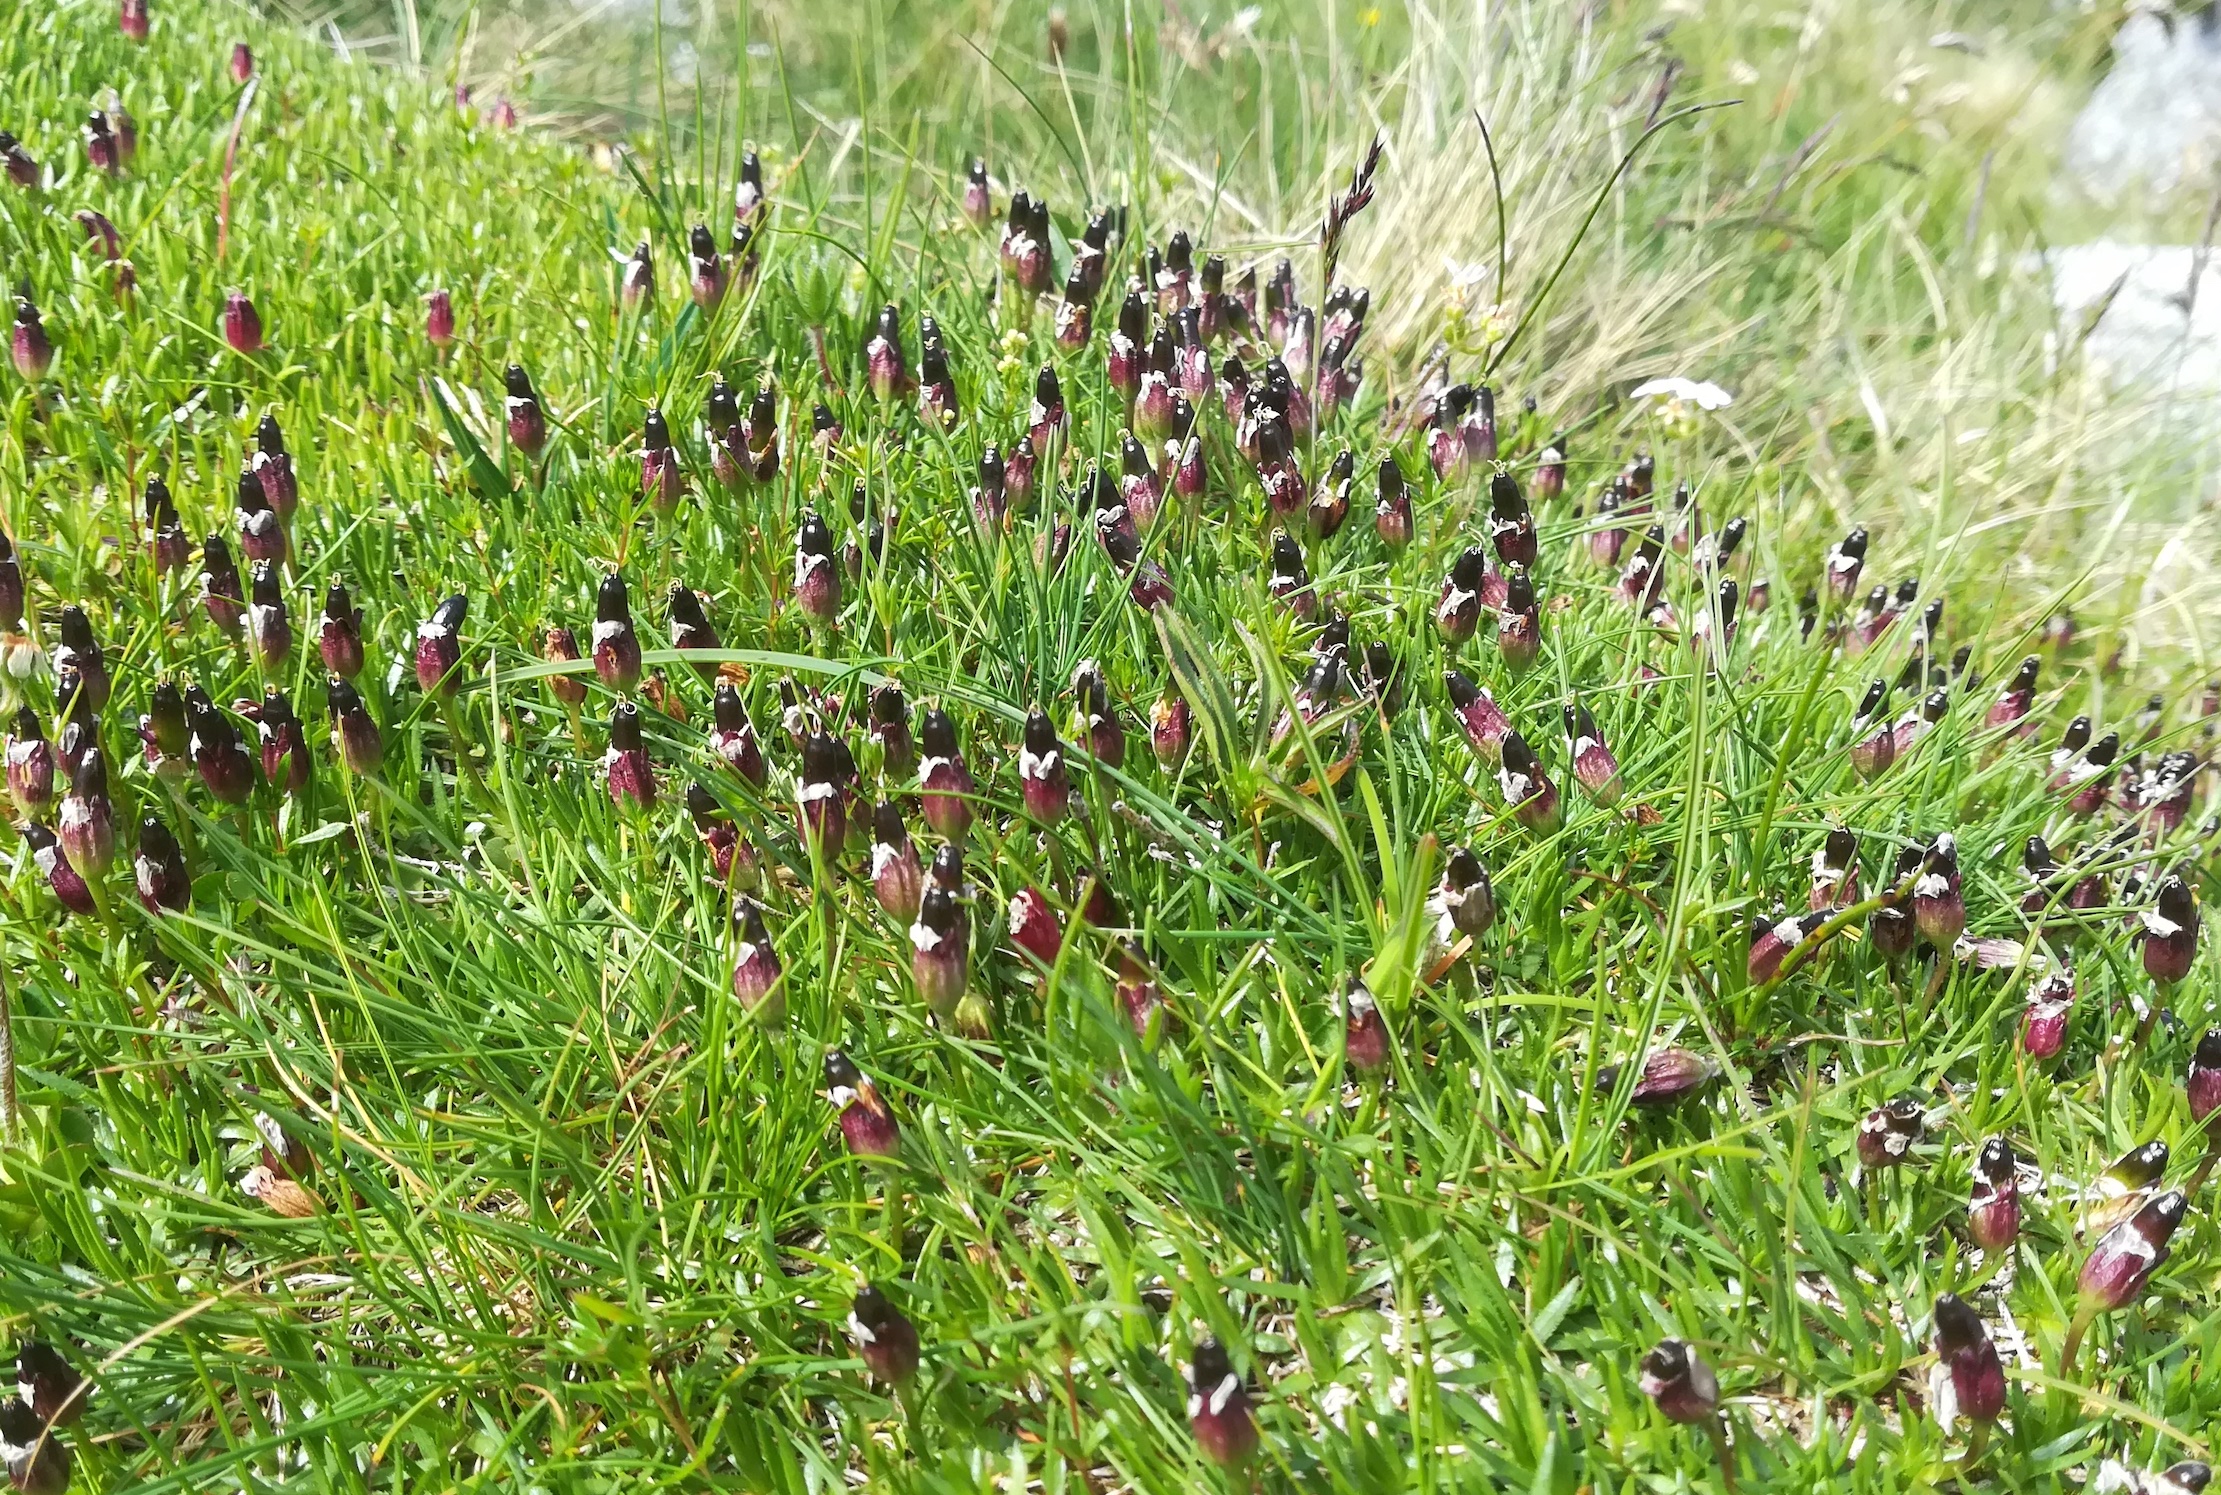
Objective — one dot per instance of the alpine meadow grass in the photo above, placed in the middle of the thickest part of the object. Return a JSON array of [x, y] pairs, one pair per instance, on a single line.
[[1313, 748]]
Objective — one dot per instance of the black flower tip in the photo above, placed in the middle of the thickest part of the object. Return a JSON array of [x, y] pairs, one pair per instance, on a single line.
[[1041, 734], [517, 382]]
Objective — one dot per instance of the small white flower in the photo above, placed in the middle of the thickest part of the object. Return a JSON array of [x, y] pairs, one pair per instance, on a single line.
[[1701, 393]]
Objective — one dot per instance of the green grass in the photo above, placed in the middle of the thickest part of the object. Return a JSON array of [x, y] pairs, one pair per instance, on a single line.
[[587, 1226]]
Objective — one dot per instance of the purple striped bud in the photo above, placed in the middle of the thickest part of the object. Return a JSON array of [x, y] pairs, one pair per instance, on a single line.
[[662, 479], [1290, 581], [2123, 1261], [2014, 702], [1366, 1042], [722, 434], [1835, 871], [890, 732], [896, 878], [1219, 1411], [817, 578], [2044, 1025], [1034, 927], [616, 646], [636, 287], [171, 549], [1457, 611], [1605, 538], [242, 62], [1127, 357], [1969, 1380], [1889, 1133], [733, 737], [718, 835], [945, 782], [1938, 906], [285, 755], [22, 169], [1330, 500], [1098, 718], [2092, 777], [86, 821], [1464, 902], [1018, 475], [1595, 769], [1075, 316], [439, 647], [354, 734], [79, 657], [1511, 524], [757, 983], [706, 272], [528, 426], [1533, 799], [30, 765], [50, 1386], [1043, 779], [1678, 1381], [46, 855], [339, 638], [2203, 1084], [242, 324], [11, 605], [939, 962], [1772, 940], [1171, 729], [159, 870], [991, 499], [1550, 469], [1519, 622], [632, 779], [2123, 1188], [977, 208], [885, 1339], [867, 1125], [2170, 932], [1845, 560], [101, 148], [273, 468], [261, 533], [1993, 1205], [1485, 725], [884, 368], [439, 319], [2164, 794], [132, 20], [1138, 488], [269, 629], [821, 794], [691, 628], [1873, 739], [1478, 431], [33, 351]]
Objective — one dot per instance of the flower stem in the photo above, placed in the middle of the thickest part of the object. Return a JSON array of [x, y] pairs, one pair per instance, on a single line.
[[2083, 1318], [1716, 1430]]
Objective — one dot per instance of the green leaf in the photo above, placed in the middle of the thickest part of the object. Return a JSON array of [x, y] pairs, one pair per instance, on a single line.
[[492, 484]]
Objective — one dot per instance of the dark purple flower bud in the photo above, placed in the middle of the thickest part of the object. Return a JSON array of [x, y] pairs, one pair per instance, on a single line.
[[1485, 724], [528, 426], [1478, 431], [885, 1339], [1969, 1379], [2044, 1025], [1519, 622], [2204, 1082], [867, 1125], [1533, 799], [2092, 777], [1550, 469], [11, 600], [503, 115], [733, 738], [632, 779], [1075, 316], [938, 959], [977, 207], [30, 765], [242, 324], [339, 638], [1127, 357], [662, 480], [273, 468], [890, 732], [817, 579], [2186, 1477], [269, 628], [354, 734], [2171, 932], [101, 147], [1676, 1378], [1138, 488], [1845, 559], [46, 855], [1042, 776], [1511, 524], [1889, 1132], [1171, 729], [945, 782], [242, 62], [218, 752], [757, 973], [160, 869], [1464, 902], [171, 549], [86, 821], [821, 793], [884, 367], [38, 1463], [1366, 1042], [1018, 475], [79, 655], [285, 755], [1098, 718], [49, 1385], [896, 878], [1218, 1408], [2123, 1261], [1938, 906], [439, 647], [637, 286], [2123, 1188], [22, 169], [439, 319], [1034, 927], [707, 274], [132, 20], [2014, 702], [690, 626], [1873, 740], [723, 435], [719, 836], [1993, 1205], [1772, 939], [1595, 768], [1330, 500], [1835, 871]]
